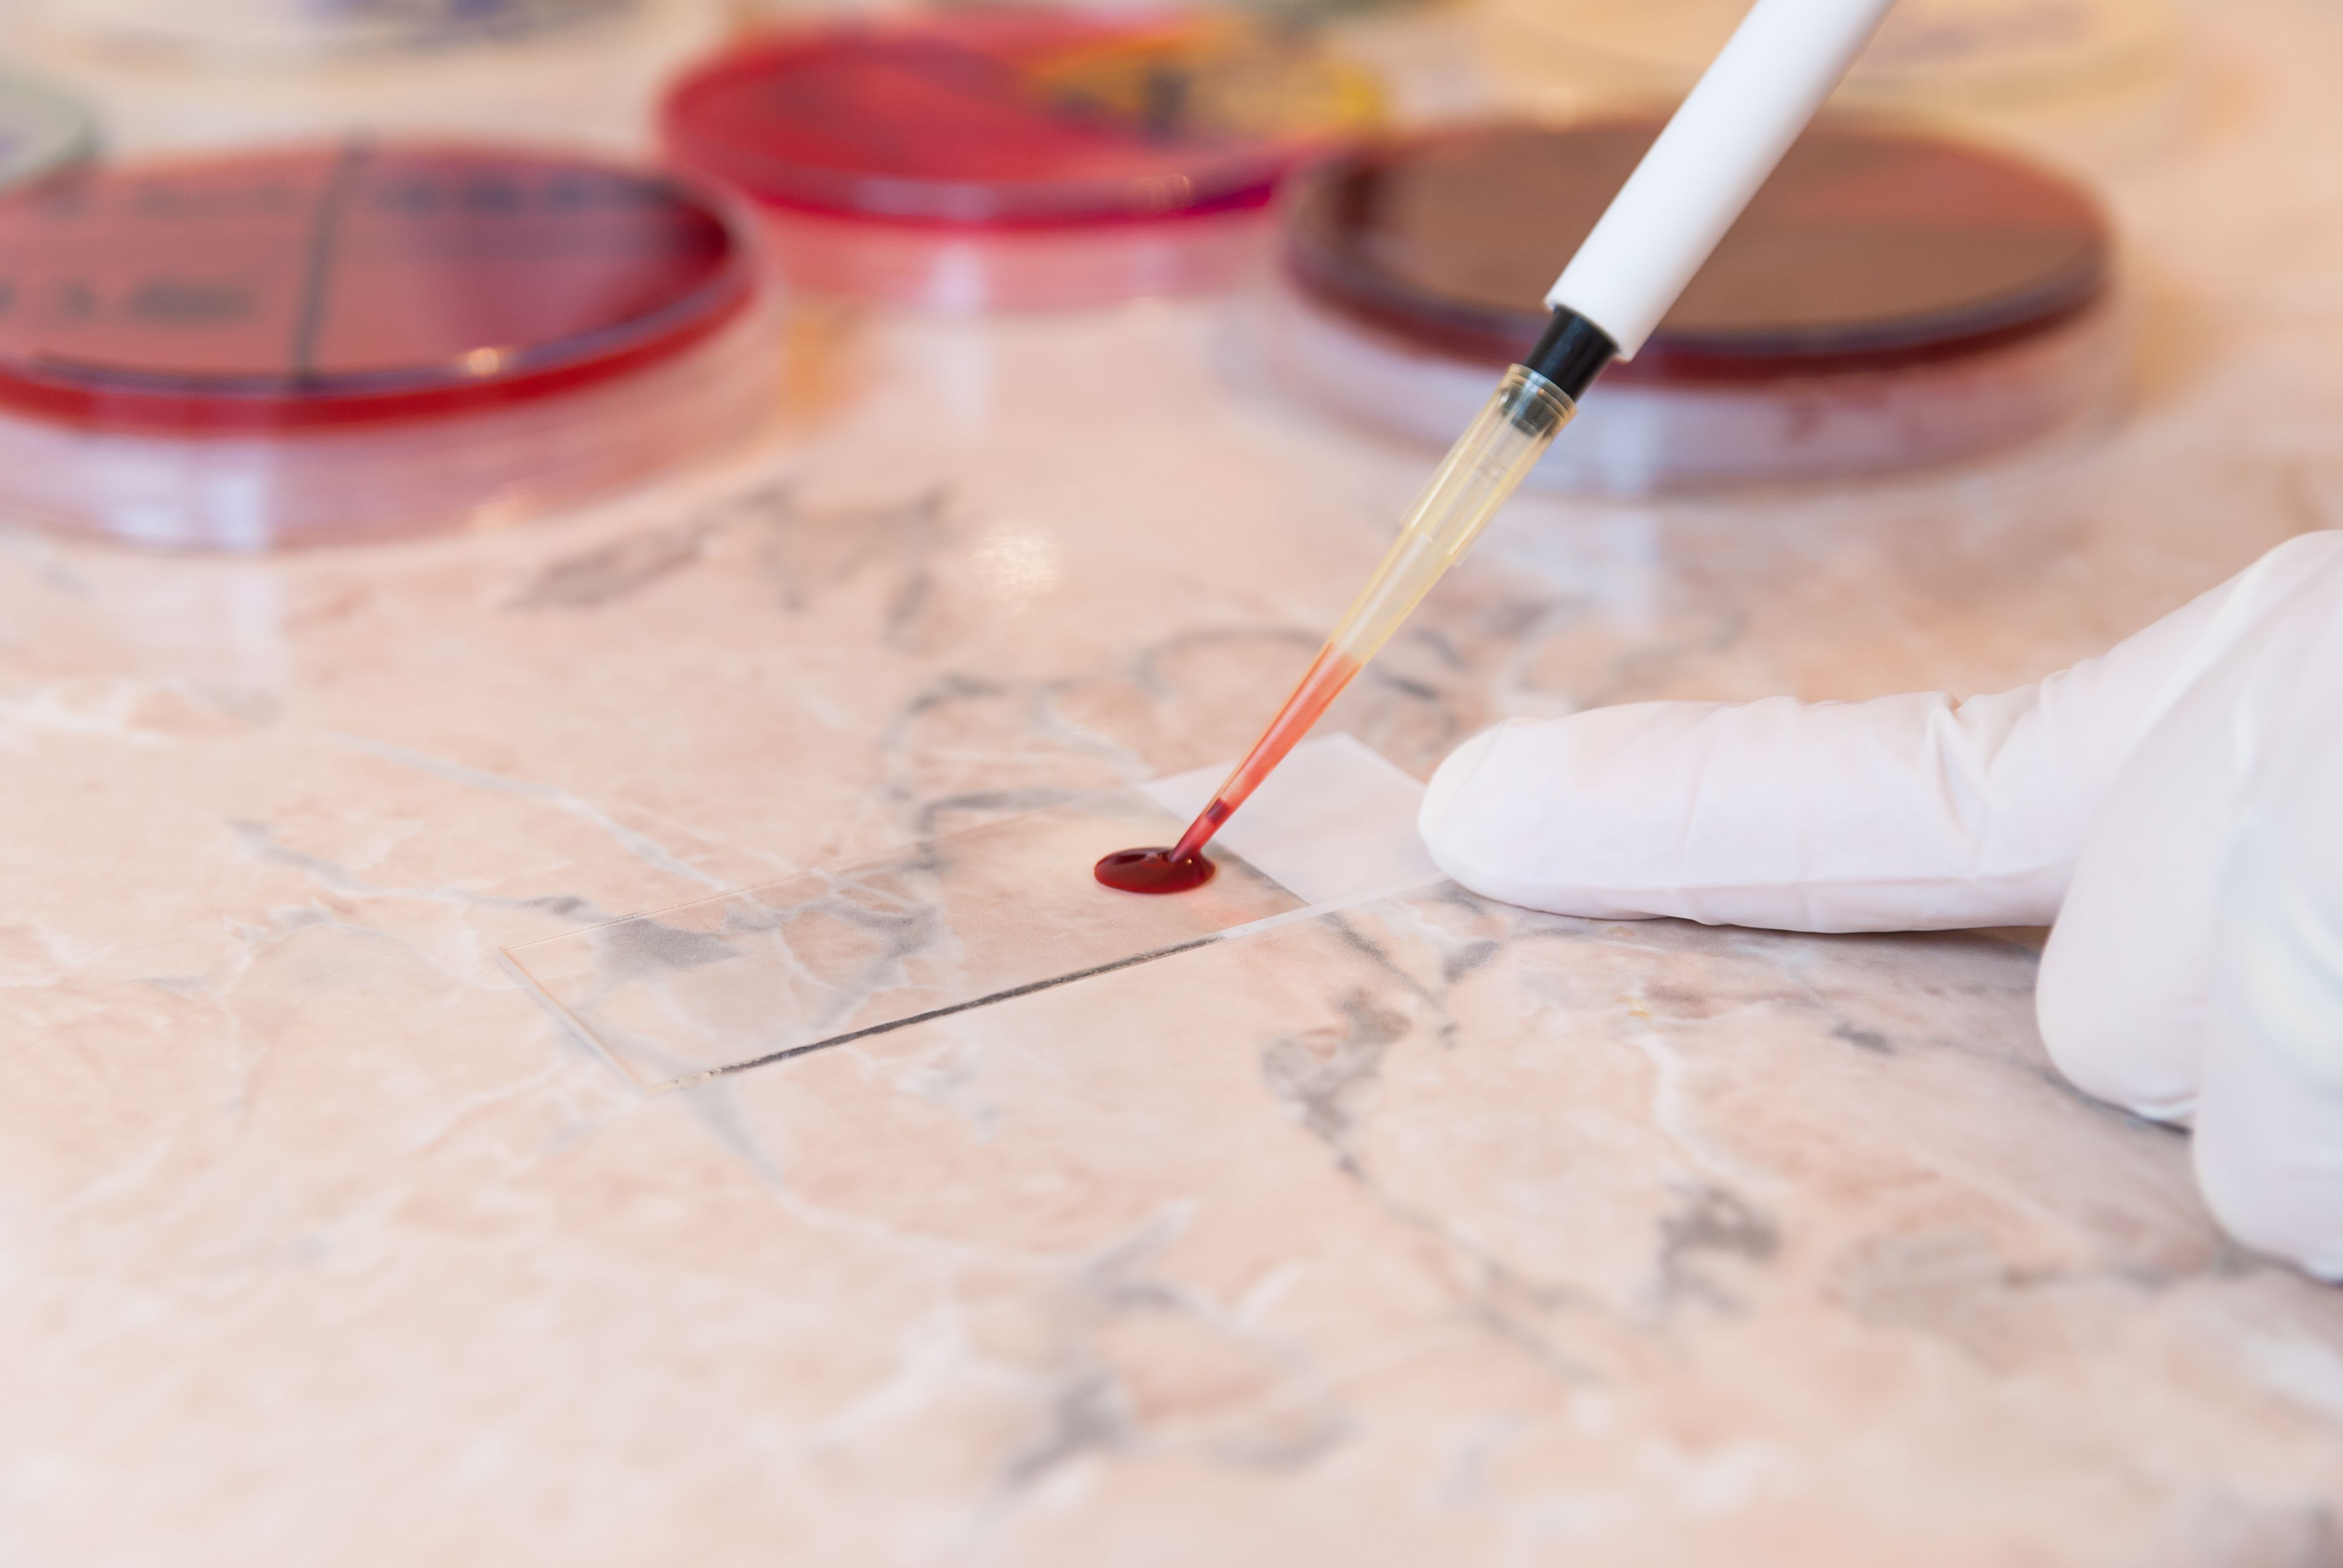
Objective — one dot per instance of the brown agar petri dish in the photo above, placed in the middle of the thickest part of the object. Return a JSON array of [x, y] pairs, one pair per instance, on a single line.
[[356, 342], [1016, 158], [1891, 300]]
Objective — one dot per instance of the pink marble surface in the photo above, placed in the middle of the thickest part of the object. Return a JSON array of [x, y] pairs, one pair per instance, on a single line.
[[1434, 1233]]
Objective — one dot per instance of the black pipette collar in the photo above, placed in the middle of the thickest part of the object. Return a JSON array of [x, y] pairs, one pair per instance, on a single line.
[[1571, 354]]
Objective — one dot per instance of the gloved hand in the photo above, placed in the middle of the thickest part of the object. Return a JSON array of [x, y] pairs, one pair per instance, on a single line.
[[2175, 805]]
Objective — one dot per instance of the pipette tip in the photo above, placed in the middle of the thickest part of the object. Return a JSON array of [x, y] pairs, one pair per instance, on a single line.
[[1200, 831]]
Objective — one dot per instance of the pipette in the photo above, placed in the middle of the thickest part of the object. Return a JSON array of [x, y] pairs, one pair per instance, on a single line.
[[1746, 109]]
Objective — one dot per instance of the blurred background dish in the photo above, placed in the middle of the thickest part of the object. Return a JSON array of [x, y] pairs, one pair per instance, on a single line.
[[1012, 158], [356, 341], [231, 73], [2081, 82], [243, 32], [1891, 300], [1898, 298]]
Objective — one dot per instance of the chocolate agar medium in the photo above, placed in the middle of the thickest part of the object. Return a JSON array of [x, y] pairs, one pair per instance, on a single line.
[[1889, 300], [1015, 157], [333, 342]]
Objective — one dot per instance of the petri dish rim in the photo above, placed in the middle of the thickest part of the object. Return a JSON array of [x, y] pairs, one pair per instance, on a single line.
[[2125, 44], [66, 390], [287, 42], [1232, 179]]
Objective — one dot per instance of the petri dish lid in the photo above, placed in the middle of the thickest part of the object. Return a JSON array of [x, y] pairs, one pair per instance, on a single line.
[[41, 132], [1870, 247], [342, 284], [1986, 57], [1017, 117], [263, 31]]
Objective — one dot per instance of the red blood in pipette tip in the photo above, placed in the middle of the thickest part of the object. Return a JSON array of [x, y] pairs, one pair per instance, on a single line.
[[1207, 823], [1183, 866]]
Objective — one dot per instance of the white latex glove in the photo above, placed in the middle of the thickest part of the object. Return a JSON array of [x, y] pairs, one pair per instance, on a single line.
[[2175, 806]]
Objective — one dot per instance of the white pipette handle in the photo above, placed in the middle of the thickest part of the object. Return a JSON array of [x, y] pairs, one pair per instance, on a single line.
[[1779, 65]]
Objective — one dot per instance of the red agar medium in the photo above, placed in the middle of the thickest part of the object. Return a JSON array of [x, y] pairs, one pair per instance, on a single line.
[[333, 286], [1015, 118]]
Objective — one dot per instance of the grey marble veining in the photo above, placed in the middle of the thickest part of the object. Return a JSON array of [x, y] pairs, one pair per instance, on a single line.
[[1428, 1232]]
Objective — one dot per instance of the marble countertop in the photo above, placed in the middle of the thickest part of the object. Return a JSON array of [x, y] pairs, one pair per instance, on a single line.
[[1431, 1232]]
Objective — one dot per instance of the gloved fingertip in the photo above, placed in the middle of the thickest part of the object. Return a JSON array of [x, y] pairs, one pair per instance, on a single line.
[[1452, 779], [1445, 820]]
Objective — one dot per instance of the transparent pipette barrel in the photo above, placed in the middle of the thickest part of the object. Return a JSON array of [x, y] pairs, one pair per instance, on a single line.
[[1488, 462]]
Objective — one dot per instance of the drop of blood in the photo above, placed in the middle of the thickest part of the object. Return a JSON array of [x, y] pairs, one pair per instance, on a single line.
[[1153, 871]]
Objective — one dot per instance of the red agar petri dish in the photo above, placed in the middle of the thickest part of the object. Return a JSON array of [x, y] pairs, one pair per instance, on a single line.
[[1901, 298], [353, 284], [471, 309], [1015, 157]]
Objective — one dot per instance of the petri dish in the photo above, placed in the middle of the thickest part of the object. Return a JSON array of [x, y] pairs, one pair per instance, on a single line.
[[2090, 81], [1016, 158], [41, 131], [353, 341], [1890, 300], [293, 31]]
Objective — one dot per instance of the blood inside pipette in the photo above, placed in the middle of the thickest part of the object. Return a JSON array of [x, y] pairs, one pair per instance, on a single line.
[[1183, 866]]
